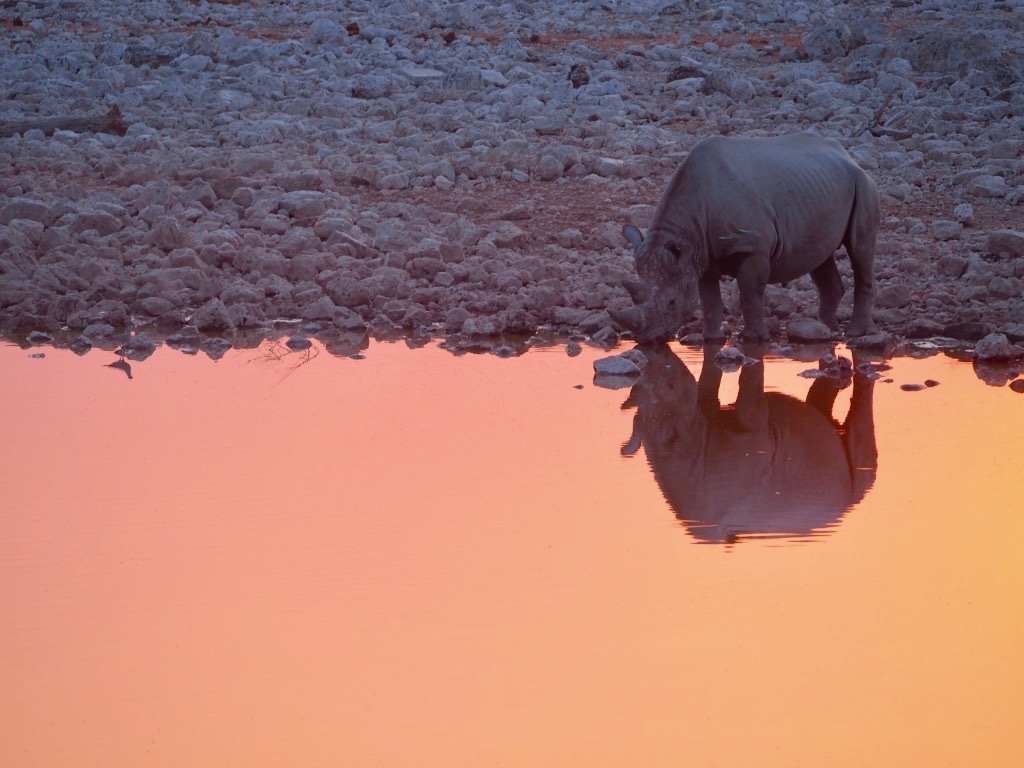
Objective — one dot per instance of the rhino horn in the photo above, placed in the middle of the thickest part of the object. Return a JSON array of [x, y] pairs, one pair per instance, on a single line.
[[639, 292], [632, 318], [633, 235]]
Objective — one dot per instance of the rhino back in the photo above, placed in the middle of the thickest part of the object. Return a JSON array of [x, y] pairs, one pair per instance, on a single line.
[[792, 195]]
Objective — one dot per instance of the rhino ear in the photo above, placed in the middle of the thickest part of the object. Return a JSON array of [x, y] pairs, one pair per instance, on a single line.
[[633, 235]]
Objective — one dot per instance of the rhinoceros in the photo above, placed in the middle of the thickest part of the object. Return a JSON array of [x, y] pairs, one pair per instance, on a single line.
[[770, 466], [762, 210]]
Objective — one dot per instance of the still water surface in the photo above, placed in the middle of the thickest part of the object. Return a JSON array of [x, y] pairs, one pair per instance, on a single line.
[[417, 560]]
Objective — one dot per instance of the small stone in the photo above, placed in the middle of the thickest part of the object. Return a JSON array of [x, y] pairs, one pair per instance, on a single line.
[[867, 368], [215, 347], [828, 41], [321, 309], [1017, 385], [912, 387], [573, 348], [504, 352], [298, 343], [579, 75], [893, 296], [349, 320], [26, 208], [493, 77], [38, 338], [973, 330], [931, 383], [808, 330], [943, 230], [871, 341], [548, 168], [608, 167], [138, 347], [616, 365], [1004, 287], [420, 76], [994, 347], [813, 373], [964, 213], [922, 328], [730, 359], [98, 330], [637, 357], [1005, 242], [987, 186], [303, 204], [952, 265], [455, 317], [101, 222], [212, 316], [80, 345], [1014, 332], [605, 337], [154, 306]]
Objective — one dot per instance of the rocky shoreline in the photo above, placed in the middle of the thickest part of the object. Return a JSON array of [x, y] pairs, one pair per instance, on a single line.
[[464, 169]]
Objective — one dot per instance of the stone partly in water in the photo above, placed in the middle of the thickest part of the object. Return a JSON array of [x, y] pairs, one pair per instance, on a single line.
[[730, 359], [994, 347], [616, 365], [615, 372]]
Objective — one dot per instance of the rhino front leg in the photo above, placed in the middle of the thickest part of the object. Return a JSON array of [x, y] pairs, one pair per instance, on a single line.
[[752, 277], [711, 308], [830, 291], [751, 405]]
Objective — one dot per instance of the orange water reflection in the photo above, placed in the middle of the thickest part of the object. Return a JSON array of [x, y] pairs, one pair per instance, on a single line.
[[418, 560], [768, 465]]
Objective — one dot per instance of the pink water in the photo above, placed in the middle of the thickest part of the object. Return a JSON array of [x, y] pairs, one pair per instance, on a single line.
[[416, 560]]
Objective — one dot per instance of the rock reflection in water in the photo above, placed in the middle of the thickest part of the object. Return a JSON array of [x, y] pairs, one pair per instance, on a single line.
[[768, 466]]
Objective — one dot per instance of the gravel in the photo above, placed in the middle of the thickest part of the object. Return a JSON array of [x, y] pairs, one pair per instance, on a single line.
[[433, 168]]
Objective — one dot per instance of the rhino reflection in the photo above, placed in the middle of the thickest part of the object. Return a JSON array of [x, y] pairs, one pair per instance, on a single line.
[[768, 466]]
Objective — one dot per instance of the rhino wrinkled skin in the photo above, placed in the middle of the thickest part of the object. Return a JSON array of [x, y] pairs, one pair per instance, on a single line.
[[768, 466], [761, 210]]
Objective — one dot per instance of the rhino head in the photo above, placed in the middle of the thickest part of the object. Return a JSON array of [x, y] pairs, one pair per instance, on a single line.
[[666, 294]]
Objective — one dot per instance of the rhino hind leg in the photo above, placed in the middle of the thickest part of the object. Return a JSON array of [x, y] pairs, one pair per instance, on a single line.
[[861, 322], [860, 245], [830, 291]]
